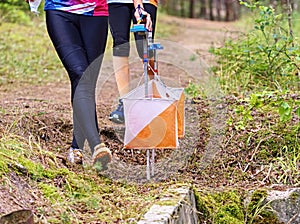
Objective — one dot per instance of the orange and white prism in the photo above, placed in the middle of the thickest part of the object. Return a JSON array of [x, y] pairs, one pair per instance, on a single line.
[[155, 121]]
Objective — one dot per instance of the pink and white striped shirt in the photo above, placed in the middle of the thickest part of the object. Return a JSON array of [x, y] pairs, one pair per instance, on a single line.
[[83, 7]]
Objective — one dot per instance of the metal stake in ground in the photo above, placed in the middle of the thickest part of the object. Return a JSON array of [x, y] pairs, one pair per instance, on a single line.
[[148, 46]]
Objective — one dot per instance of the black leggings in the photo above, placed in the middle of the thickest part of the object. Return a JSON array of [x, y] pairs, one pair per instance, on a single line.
[[80, 43], [120, 17]]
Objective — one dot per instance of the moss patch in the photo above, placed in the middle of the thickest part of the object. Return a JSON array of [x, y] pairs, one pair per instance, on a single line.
[[231, 207], [220, 207]]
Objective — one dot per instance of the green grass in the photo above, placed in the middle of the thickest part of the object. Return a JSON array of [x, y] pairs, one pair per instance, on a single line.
[[67, 196], [28, 55]]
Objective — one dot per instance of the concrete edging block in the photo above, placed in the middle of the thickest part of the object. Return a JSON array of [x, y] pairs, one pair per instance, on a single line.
[[177, 206]]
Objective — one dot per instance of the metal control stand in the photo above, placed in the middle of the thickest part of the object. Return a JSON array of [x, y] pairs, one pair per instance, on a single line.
[[148, 46]]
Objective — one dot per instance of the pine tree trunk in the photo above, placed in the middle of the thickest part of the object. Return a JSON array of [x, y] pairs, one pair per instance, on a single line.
[[191, 11], [211, 15], [218, 8], [202, 13]]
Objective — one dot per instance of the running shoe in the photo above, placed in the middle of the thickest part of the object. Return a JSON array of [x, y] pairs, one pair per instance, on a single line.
[[117, 116], [75, 155], [101, 157]]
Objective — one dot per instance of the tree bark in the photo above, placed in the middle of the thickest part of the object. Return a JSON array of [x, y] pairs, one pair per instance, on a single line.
[[202, 13], [228, 8], [218, 8], [182, 11], [211, 14], [191, 11]]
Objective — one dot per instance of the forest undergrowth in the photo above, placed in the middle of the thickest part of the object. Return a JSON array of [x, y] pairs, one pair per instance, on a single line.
[[244, 138]]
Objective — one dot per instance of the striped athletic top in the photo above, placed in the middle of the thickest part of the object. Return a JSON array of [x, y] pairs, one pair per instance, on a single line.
[[153, 2], [83, 7]]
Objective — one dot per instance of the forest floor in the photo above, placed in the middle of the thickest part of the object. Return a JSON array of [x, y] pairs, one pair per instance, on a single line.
[[205, 120]]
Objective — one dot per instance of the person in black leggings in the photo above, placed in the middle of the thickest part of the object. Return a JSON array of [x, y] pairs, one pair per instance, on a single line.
[[121, 14], [120, 17], [80, 42]]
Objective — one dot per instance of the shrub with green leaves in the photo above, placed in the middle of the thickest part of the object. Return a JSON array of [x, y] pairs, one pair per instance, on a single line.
[[15, 11], [266, 58]]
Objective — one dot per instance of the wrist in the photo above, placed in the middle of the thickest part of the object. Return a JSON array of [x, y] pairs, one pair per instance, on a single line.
[[139, 7]]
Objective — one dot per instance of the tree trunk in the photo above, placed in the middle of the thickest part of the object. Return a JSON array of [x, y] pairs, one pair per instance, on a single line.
[[218, 8], [202, 13], [182, 11], [228, 8], [175, 8], [191, 12], [211, 14], [236, 10]]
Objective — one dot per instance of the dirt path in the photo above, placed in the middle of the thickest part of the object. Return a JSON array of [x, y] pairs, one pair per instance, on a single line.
[[199, 35]]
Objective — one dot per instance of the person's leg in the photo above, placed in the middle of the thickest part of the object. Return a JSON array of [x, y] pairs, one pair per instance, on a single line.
[[94, 35], [121, 70], [64, 33], [76, 55], [152, 10], [120, 22]]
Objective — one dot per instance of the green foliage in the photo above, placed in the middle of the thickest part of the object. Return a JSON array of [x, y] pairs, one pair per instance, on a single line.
[[285, 111], [282, 104], [245, 115], [264, 58], [220, 207], [258, 211], [50, 192], [286, 165], [268, 124], [193, 90], [263, 66], [12, 14], [235, 207], [287, 108], [15, 11], [3, 166]]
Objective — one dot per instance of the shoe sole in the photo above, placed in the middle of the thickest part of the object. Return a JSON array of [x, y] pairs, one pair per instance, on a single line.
[[115, 120], [102, 158]]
